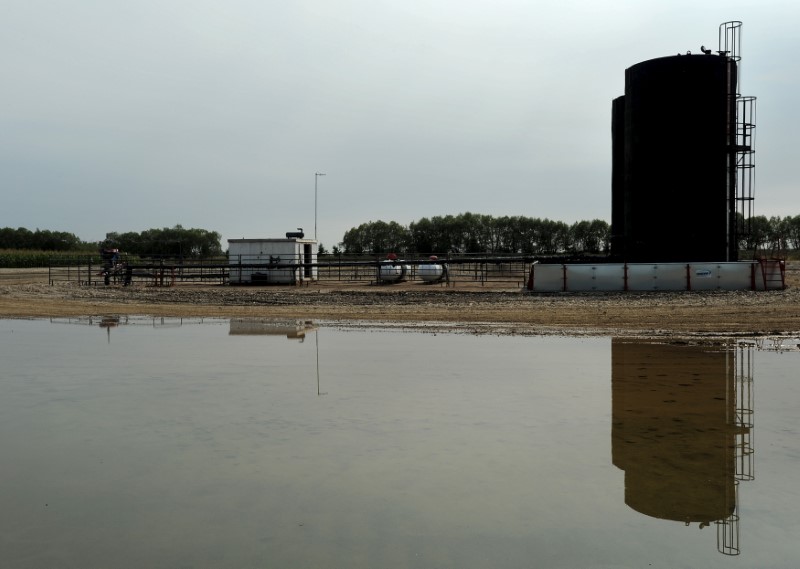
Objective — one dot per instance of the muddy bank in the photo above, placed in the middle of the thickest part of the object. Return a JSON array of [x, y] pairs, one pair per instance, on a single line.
[[476, 309]]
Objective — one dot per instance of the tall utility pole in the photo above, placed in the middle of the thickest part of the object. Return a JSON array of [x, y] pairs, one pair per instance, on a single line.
[[316, 177]]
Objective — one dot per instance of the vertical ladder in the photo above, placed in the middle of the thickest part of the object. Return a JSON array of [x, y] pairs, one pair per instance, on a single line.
[[745, 161], [741, 140]]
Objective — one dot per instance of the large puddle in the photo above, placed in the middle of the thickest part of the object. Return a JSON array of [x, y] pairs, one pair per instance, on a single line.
[[247, 444]]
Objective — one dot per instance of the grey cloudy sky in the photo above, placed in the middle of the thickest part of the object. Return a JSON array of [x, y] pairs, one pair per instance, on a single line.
[[123, 116]]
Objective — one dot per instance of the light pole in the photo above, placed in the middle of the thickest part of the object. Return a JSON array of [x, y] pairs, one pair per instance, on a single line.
[[316, 177]]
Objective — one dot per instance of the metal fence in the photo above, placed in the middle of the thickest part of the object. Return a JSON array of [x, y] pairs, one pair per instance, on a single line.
[[28, 275], [329, 269]]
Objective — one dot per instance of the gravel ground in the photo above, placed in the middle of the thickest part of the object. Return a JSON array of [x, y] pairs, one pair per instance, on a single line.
[[473, 309]]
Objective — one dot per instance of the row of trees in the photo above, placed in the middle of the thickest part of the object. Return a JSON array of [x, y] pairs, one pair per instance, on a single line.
[[464, 233], [518, 235], [167, 242], [776, 233], [41, 240], [474, 233], [174, 242]]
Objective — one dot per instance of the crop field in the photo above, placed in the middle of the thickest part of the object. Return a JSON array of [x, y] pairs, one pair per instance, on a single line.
[[24, 258]]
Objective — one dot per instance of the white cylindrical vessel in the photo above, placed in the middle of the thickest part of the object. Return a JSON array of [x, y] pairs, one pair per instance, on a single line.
[[391, 272], [430, 273]]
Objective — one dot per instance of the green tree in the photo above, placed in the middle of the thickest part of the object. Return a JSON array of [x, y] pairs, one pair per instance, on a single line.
[[41, 239], [376, 238], [590, 236], [169, 242], [422, 237], [759, 233], [792, 231]]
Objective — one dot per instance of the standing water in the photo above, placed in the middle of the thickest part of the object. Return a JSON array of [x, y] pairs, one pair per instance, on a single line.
[[238, 444]]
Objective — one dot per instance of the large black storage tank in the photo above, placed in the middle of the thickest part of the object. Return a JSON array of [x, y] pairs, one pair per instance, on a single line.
[[670, 185]]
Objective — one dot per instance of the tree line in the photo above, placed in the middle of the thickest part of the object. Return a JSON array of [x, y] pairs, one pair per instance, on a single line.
[[173, 242], [41, 240], [465, 233], [775, 233], [167, 242], [470, 233]]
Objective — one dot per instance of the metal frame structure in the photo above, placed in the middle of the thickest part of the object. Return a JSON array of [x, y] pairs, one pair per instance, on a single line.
[[741, 141]]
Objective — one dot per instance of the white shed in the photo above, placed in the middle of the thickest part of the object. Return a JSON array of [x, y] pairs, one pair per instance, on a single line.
[[272, 261]]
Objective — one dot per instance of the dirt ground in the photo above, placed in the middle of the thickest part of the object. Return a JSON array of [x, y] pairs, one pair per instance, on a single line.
[[496, 308]]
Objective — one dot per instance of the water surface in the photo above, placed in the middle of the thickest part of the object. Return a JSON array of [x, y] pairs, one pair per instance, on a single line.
[[185, 443]]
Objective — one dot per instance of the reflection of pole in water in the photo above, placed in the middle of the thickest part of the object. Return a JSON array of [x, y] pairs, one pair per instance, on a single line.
[[291, 329], [109, 322], [680, 432], [316, 336]]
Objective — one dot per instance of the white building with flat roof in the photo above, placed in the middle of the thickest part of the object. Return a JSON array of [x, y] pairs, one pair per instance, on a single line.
[[272, 261]]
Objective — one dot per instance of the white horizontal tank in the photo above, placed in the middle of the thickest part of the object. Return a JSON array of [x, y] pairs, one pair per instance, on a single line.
[[431, 273], [393, 271]]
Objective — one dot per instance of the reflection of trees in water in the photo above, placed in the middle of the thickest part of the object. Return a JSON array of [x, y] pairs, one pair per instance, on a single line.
[[681, 431]]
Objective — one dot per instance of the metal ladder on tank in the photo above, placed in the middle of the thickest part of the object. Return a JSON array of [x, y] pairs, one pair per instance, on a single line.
[[745, 159], [743, 134]]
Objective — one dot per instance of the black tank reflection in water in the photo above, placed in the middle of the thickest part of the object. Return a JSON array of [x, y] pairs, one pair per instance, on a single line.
[[681, 427]]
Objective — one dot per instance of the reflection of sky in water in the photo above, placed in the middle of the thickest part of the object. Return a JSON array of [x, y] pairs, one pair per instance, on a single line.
[[166, 443]]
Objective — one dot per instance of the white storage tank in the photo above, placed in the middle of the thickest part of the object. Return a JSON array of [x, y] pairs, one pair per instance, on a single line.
[[433, 272], [393, 271]]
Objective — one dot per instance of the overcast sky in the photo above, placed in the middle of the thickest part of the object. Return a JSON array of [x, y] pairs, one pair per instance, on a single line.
[[128, 115]]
